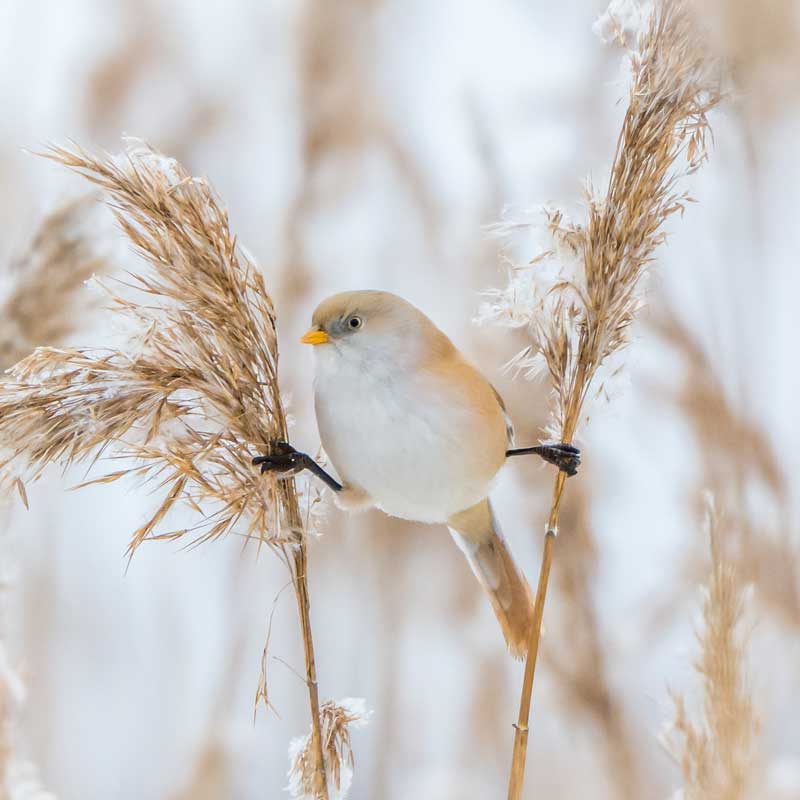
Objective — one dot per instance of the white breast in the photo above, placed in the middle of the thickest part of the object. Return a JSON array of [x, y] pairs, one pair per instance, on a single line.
[[417, 445]]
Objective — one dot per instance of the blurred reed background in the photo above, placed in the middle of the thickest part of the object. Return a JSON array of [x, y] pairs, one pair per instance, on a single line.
[[368, 144]]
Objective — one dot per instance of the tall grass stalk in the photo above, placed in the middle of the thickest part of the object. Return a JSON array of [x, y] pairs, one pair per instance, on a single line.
[[581, 315], [192, 397]]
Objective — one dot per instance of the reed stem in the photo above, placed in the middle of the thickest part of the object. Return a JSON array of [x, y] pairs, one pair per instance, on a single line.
[[584, 319], [521, 727], [299, 565], [304, 610]]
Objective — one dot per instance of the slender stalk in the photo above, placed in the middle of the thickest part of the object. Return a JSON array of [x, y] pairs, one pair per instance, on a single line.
[[521, 728], [300, 581], [298, 564]]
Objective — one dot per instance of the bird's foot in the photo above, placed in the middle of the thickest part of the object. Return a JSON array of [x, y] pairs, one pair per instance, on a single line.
[[566, 457], [283, 460]]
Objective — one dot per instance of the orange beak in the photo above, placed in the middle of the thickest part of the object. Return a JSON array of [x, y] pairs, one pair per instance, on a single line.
[[315, 336]]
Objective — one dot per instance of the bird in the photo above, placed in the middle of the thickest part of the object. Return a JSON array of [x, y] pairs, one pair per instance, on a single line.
[[414, 429]]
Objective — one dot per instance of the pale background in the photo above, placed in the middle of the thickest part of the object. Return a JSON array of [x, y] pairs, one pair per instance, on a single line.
[[367, 143]]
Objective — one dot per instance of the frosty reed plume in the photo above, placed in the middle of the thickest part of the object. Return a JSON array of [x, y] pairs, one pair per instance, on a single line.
[[190, 398], [578, 298]]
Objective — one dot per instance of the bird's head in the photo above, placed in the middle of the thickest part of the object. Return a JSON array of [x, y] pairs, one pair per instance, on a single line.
[[374, 326]]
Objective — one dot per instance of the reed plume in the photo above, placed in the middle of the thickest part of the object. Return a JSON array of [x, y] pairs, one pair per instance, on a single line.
[[579, 297], [716, 754], [194, 394], [338, 720], [46, 281], [40, 305]]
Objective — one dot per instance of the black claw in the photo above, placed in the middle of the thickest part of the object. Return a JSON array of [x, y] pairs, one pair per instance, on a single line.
[[566, 457], [566, 448], [283, 459]]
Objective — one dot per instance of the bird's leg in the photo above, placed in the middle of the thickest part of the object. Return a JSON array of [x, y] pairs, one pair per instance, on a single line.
[[286, 461], [565, 456]]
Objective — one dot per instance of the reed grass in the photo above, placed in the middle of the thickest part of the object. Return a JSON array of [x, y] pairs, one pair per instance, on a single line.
[[194, 394], [717, 753], [761, 540], [579, 312], [46, 301], [343, 119], [735, 452], [45, 290]]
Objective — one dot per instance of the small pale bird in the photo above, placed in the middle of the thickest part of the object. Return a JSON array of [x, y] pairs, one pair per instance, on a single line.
[[413, 428]]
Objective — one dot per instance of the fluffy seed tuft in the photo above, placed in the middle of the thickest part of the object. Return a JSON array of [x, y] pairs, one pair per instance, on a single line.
[[337, 720]]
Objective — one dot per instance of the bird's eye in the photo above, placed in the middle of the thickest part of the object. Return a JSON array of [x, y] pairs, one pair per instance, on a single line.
[[354, 323]]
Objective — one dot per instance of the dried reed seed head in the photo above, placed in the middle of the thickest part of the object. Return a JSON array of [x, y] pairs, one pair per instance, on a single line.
[[716, 754], [579, 311], [194, 395], [45, 283], [621, 23], [337, 720]]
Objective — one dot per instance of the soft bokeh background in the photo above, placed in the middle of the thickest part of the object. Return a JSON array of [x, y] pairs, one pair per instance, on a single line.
[[367, 143]]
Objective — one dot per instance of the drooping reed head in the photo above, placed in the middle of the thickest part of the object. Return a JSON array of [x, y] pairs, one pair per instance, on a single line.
[[193, 394]]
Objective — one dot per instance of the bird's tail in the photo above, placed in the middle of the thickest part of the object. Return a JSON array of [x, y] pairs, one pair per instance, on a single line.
[[478, 535]]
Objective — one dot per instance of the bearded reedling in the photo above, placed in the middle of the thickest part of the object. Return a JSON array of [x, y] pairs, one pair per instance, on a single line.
[[415, 430]]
